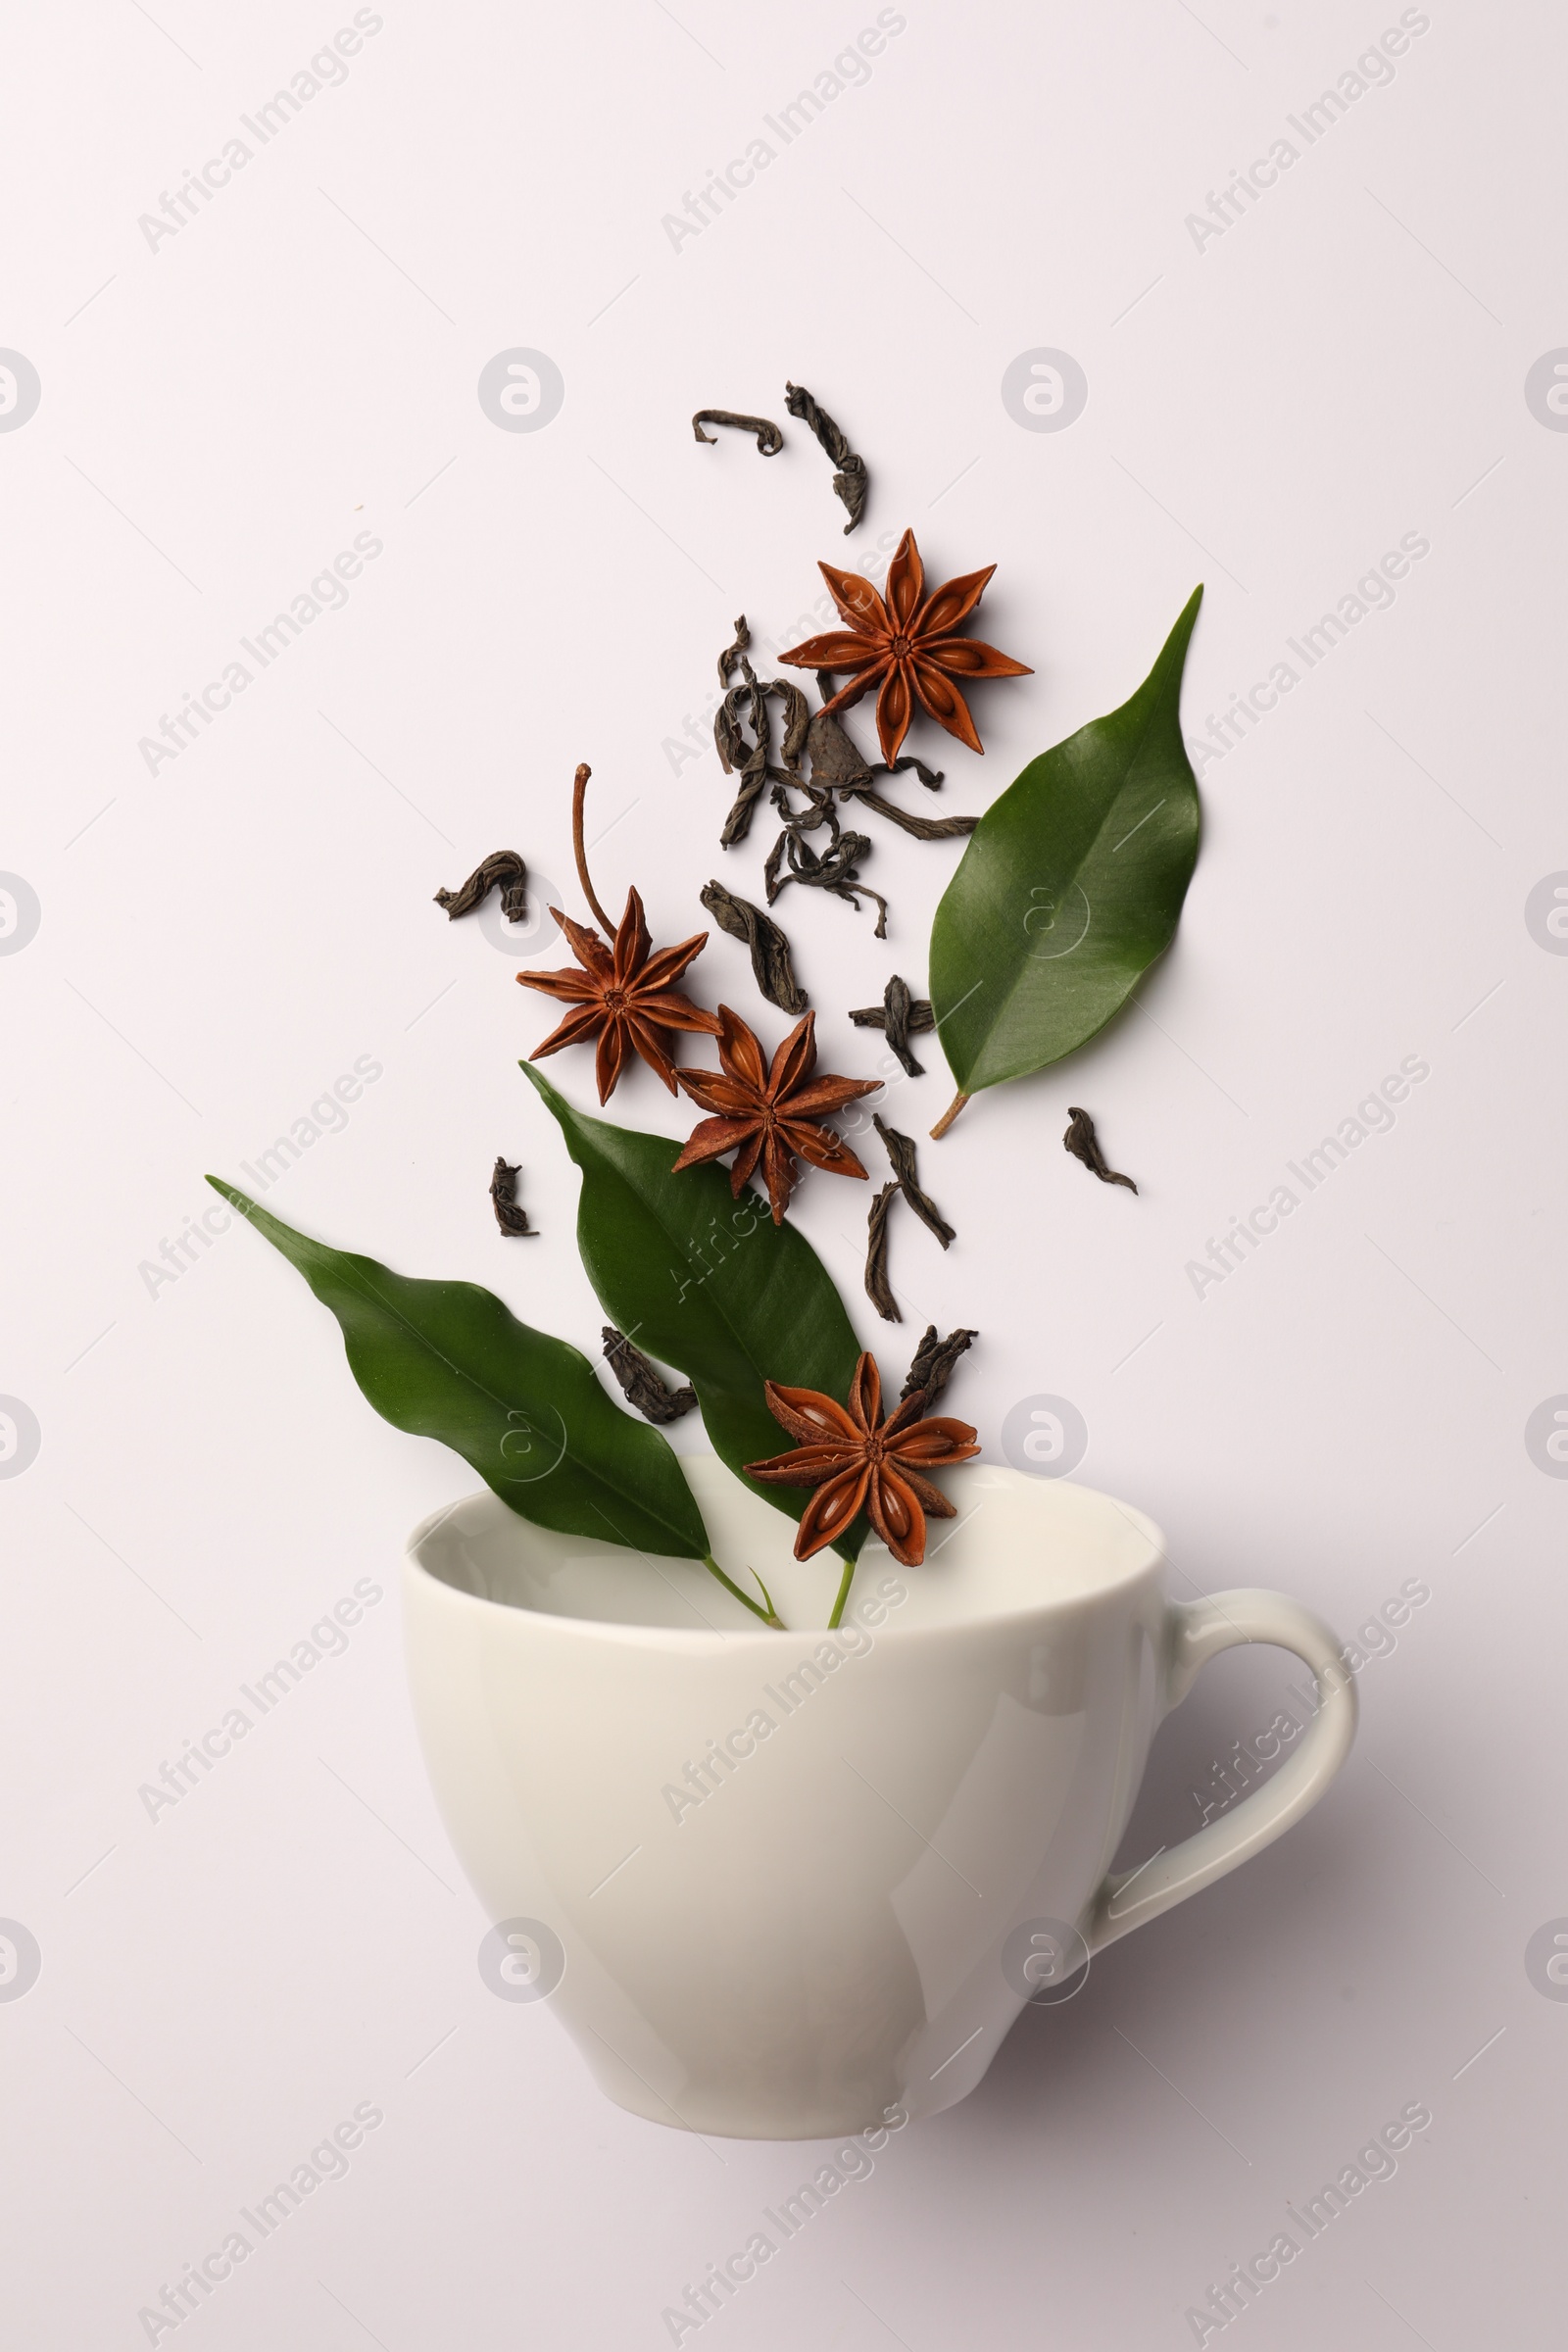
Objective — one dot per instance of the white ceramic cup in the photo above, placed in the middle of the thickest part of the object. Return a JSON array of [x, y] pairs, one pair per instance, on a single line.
[[778, 1884]]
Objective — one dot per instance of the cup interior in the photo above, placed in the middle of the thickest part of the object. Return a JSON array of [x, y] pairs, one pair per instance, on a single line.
[[1017, 1542]]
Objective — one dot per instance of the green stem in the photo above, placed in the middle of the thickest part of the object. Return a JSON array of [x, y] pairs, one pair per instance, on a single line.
[[767, 1615], [844, 1595]]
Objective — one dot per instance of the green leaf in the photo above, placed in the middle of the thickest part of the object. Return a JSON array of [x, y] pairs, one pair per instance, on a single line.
[[449, 1360], [708, 1284], [1071, 885]]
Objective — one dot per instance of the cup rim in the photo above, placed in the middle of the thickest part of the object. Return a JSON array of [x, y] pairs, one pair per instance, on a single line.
[[693, 1641]]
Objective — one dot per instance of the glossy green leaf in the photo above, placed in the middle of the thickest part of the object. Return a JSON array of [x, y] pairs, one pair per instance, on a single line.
[[1071, 885], [708, 1284], [449, 1360]]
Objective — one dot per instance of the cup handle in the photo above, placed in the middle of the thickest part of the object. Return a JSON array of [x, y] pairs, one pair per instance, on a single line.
[[1126, 1899]]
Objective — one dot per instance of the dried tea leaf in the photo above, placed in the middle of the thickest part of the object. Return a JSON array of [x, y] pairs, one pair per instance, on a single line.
[[837, 759], [747, 759], [503, 868], [733, 657], [899, 1015], [901, 1151], [851, 480], [898, 1006], [838, 763], [1083, 1142], [835, 869], [513, 1220], [745, 706], [737, 823], [728, 740], [878, 1289], [641, 1384], [769, 440], [931, 778], [923, 828], [797, 719], [772, 965], [896, 1015], [934, 1359]]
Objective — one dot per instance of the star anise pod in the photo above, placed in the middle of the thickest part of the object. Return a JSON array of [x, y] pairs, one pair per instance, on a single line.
[[623, 996], [905, 648], [770, 1113], [858, 1461]]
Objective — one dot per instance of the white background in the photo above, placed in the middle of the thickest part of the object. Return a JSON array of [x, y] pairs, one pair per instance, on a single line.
[[222, 939]]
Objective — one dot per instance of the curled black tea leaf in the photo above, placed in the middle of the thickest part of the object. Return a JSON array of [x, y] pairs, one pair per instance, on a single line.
[[878, 1289], [745, 706], [734, 656], [838, 763], [901, 1151], [513, 1220], [796, 721], [642, 1386], [504, 867], [924, 828], [769, 440], [837, 759], [835, 869], [749, 761], [896, 1015], [851, 480], [742, 733], [1083, 1142], [772, 965], [932, 1368]]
